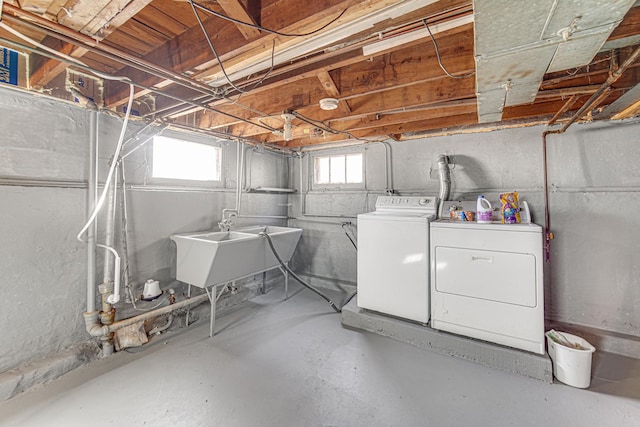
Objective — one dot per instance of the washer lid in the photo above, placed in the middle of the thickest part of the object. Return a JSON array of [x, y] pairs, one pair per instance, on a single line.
[[397, 216]]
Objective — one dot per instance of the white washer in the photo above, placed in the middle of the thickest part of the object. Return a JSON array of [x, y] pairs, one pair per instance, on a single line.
[[487, 283], [393, 256]]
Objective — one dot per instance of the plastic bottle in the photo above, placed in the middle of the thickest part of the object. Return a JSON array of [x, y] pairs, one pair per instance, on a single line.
[[483, 210]]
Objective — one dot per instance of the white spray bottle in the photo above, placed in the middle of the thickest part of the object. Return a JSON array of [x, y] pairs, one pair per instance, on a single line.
[[483, 210]]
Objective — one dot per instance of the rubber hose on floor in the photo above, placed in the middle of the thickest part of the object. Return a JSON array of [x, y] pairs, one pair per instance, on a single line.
[[295, 276], [356, 248], [349, 237]]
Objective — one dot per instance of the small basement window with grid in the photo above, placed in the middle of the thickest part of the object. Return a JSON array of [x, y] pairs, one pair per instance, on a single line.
[[178, 159], [338, 169]]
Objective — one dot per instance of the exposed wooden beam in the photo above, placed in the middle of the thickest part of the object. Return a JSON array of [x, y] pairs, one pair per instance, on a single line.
[[564, 109], [45, 70], [237, 54], [353, 10], [235, 9], [185, 52], [628, 105], [438, 123], [76, 14], [629, 25], [332, 90], [35, 6], [631, 111], [412, 67]]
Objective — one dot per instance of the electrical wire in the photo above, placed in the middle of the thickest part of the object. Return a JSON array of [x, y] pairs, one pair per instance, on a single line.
[[213, 49], [74, 62], [327, 128], [435, 45], [195, 5], [262, 79], [266, 30], [125, 122]]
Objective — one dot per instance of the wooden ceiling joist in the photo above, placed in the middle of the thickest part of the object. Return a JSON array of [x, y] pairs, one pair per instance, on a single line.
[[400, 91], [235, 9]]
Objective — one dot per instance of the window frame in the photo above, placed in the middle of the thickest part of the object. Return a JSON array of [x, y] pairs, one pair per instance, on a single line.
[[337, 186], [180, 182]]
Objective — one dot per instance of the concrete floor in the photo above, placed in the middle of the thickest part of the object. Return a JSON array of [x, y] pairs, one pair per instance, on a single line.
[[291, 363]]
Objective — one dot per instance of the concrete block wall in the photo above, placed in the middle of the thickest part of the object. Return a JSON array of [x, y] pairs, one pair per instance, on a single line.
[[43, 174], [592, 279]]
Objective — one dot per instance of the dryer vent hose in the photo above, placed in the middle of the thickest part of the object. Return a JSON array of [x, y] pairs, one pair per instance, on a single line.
[[445, 177]]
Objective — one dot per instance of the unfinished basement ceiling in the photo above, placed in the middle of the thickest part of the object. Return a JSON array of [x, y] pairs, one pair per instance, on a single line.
[[524, 63]]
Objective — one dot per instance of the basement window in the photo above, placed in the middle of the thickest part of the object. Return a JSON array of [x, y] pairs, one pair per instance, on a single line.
[[338, 169], [184, 160]]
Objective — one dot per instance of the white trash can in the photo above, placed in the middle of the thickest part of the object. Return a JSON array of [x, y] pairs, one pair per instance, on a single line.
[[571, 365]]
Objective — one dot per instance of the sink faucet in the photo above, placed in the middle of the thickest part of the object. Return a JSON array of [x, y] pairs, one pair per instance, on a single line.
[[225, 224]]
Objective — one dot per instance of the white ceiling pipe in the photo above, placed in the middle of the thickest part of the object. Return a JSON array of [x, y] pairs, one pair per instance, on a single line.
[[395, 41], [321, 40]]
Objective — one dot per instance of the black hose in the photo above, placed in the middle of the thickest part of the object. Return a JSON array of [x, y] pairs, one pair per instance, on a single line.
[[356, 248], [295, 276], [349, 299], [350, 239]]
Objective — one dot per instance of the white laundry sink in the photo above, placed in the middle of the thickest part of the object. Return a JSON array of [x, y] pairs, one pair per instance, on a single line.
[[209, 258]]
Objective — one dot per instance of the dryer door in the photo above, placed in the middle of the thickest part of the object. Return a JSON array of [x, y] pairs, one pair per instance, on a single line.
[[505, 277]]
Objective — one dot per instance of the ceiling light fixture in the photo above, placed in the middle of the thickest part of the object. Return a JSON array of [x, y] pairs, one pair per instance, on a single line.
[[418, 34], [328, 104]]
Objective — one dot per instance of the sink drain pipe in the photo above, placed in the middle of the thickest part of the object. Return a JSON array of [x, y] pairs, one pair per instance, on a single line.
[[295, 276], [96, 329]]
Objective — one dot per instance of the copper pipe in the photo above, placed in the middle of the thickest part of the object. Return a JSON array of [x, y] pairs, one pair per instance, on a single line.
[[613, 77], [548, 235], [564, 109], [595, 99]]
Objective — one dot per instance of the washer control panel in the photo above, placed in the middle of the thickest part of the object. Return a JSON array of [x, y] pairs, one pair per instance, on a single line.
[[407, 203]]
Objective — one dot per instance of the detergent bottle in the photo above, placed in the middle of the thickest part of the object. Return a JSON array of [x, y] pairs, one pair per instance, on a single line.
[[483, 210]]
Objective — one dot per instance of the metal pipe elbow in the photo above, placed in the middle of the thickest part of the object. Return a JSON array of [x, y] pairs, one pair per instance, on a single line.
[[93, 326]]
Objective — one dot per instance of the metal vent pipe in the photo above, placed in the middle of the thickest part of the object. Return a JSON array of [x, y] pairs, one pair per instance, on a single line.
[[445, 177]]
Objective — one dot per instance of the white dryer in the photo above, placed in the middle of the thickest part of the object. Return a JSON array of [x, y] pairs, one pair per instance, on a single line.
[[487, 282], [393, 256]]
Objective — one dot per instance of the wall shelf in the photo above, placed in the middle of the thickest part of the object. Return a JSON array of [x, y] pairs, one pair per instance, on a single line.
[[270, 190]]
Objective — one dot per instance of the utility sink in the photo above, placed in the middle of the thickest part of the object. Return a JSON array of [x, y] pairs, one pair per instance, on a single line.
[[208, 258]]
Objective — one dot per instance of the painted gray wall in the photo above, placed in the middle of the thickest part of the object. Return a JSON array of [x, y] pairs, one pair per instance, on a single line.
[[43, 266], [592, 280]]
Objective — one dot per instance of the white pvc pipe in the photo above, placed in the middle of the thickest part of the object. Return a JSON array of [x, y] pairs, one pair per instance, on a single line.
[[115, 296], [303, 194], [241, 179], [109, 229], [116, 155], [92, 190]]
